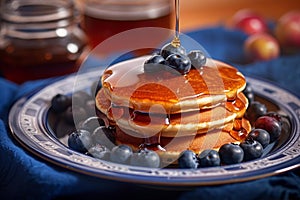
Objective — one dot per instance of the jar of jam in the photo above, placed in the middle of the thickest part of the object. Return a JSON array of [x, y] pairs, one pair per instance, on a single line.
[[39, 39]]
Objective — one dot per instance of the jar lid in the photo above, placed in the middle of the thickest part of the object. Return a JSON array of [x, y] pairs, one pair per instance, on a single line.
[[127, 10], [35, 19], [30, 11]]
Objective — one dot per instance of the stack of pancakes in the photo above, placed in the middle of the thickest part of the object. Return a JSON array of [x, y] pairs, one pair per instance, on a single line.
[[200, 110]]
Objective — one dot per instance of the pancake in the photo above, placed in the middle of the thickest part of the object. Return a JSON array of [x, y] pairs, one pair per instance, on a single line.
[[131, 87], [201, 109], [190, 123], [172, 147], [213, 140]]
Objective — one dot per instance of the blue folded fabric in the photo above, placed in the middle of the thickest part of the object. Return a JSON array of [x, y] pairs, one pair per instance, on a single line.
[[276, 187], [25, 176]]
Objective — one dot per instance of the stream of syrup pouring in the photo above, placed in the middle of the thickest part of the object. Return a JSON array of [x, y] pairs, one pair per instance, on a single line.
[[154, 141], [176, 41]]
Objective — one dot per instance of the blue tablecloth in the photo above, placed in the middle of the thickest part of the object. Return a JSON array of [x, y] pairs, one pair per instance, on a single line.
[[25, 176]]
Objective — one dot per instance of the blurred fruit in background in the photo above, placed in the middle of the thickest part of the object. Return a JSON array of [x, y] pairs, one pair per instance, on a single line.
[[287, 31], [261, 46], [268, 38], [249, 22]]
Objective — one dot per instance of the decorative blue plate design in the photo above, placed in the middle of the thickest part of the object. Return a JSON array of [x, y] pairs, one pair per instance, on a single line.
[[28, 124]]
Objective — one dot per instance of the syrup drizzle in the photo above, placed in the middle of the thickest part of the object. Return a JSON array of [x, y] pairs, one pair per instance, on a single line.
[[238, 131], [154, 141], [176, 41]]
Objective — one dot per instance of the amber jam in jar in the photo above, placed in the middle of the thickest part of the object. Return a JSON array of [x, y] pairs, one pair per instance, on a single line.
[[39, 39], [103, 19]]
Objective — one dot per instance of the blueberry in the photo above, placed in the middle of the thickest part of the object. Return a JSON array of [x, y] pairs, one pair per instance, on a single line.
[[60, 103], [170, 49], [121, 154], [198, 59], [248, 88], [276, 116], [90, 107], [248, 92], [231, 154], [255, 110], [91, 123], [101, 136], [271, 125], [154, 64], [209, 158], [99, 151], [180, 63], [250, 97], [188, 160], [96, 86], [80, 140], [68, 115], [80, 98], [252, 149], [76, 114], [260, 135], [145, 158]]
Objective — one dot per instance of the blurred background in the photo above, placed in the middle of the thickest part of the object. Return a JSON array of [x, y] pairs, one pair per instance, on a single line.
[[197, 13], [40, 39]]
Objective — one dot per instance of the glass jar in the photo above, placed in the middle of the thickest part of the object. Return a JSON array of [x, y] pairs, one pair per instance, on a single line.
[[39, 39], [103, 19]]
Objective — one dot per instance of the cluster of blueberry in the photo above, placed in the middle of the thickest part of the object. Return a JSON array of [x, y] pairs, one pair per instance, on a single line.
[[62, 105], [176, 58], [267, 129], [92, 137]]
